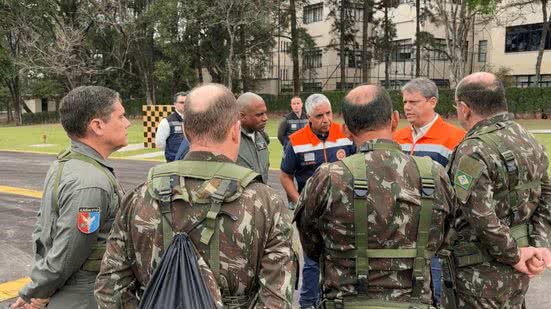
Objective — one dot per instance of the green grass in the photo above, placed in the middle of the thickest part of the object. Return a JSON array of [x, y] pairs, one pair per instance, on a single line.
[[26, 138], [21, 138]]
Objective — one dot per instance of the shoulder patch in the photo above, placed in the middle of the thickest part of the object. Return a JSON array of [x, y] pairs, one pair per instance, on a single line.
[[467, 173], [88, 219]]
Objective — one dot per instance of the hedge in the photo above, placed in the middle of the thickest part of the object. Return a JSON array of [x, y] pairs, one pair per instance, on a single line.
[[521, 101], [39, 118]]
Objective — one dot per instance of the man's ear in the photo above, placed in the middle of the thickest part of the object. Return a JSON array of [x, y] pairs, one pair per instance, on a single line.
[[96, 126], [346, 132], [467, 111], [433, 101], [235, 132], [394, 120]]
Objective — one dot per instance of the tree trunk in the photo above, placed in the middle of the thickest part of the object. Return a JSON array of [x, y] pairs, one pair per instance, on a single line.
[[417, 43], [15, 93], [365, 39], [10, 116], [294, 48], [541, 49], [243, 57], [389, 48], [229, 81], [342, 43]]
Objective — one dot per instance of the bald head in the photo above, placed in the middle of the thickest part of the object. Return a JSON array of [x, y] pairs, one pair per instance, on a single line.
[[210, 112], [367, 108], [483, 92], [246, 100]]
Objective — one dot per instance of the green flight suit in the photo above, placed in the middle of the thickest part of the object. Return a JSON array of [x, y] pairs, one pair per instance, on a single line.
[[254, 154], [63, 252]]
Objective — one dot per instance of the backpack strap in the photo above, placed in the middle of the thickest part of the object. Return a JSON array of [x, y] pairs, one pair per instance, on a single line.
[[356, 165], [420, 253], [423, 255], [511, 170], [232, 180]]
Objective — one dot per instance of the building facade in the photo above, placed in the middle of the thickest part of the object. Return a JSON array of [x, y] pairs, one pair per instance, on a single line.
[[507, 44]]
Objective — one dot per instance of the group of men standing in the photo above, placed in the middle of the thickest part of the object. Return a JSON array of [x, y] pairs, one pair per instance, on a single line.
[[371, 209]]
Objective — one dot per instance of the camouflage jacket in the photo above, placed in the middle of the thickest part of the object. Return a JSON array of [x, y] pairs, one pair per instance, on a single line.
[[255, 244], [484, 211], [325, 219]]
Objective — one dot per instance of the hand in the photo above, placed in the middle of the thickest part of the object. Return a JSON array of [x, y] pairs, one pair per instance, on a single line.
[[533, 261], [19, 303], [540, 261], [535, 265], [525, 254], [37, 303]]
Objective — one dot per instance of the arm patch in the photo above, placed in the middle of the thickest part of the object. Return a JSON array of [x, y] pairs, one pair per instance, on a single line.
[[467, 174]]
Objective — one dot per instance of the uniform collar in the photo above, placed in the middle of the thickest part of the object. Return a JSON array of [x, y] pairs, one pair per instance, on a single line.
[[90, 152], [499, 117], [380, 144], [247, 133], [418, 134], [206, 156], [334, 134]]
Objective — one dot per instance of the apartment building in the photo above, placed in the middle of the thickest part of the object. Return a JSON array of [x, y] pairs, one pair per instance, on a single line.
[[507, 44]]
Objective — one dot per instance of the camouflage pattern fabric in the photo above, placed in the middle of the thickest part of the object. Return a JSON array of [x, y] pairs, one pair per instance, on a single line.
[[325, 219], [484, 212], [255, 244]]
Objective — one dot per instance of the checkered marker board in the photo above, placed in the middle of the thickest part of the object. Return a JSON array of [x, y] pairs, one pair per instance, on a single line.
[[152, 116]]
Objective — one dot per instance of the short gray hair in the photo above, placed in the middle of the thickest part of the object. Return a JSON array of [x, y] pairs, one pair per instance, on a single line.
[[314, 101], [245, 100], [425, 86]]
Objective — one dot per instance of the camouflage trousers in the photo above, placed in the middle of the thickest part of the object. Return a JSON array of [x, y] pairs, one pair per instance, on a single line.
[[490, 286]]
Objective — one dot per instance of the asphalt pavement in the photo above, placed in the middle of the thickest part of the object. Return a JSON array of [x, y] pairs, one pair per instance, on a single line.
[[18, 214]]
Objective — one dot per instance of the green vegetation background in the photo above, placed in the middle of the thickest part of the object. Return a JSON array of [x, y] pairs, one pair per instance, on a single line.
[[31, 138]]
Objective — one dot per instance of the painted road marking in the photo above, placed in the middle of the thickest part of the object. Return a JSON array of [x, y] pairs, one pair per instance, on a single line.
[[21, 191], [11, 289]]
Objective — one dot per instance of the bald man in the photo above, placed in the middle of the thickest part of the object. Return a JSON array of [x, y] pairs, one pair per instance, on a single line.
[[361, 216], [499, 172], [240, 227], [253, 151]]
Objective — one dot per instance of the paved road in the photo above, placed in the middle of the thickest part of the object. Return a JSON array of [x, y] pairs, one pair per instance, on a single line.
[[17, 214]]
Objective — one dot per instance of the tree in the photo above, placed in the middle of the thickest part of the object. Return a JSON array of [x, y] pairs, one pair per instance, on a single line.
[[545, 31], [344, 30], [457, 18]]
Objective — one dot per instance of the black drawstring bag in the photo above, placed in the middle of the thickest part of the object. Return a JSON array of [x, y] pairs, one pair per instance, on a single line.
[[177, 282]]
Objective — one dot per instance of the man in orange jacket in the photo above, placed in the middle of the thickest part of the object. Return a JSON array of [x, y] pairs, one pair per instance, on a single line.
[[429, 135]]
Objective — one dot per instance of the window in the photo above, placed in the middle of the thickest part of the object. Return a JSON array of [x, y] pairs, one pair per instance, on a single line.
[[285, 46], [403, 50], [482, 50], [525, 38], [313, 13], [355, 12], [354, 58], [311, 87], [439, 52], [312, 59], [525, 81]]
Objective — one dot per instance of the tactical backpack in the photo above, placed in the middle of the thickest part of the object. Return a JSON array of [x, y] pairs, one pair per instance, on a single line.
[[224, 183], [472, 253], [93, 262], [362, 254]]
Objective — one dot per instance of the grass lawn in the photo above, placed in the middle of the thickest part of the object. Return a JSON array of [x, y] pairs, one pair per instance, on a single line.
[[30, 138]]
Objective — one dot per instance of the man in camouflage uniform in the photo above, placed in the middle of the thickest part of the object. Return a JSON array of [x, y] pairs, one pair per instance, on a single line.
[[345, 225], [503, 197], [81, 198], [253, 228]]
